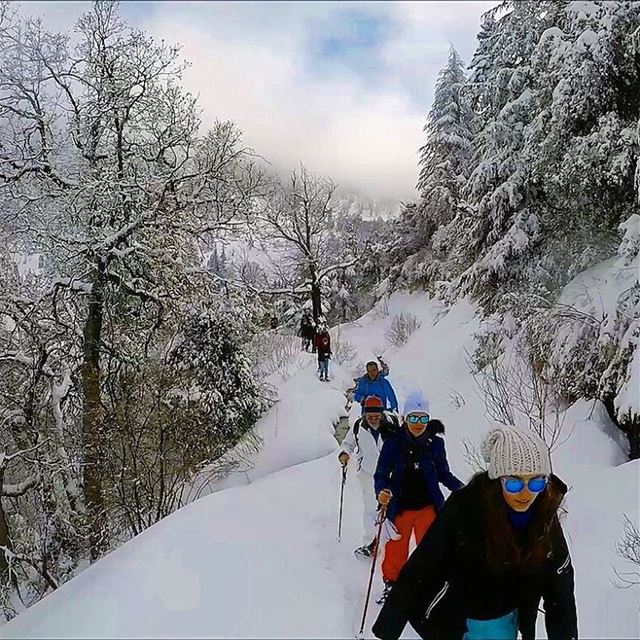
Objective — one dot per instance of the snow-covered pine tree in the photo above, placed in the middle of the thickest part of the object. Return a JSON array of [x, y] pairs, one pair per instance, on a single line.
[[502, 225], [444, 158], [554, 156], [444, 170], [582, 148], [556, 92]]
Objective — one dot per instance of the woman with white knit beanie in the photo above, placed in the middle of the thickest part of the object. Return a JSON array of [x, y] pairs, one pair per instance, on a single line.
[[495, 550]]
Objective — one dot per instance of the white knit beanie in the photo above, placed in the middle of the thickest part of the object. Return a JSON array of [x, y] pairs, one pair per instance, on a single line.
[[515, 451], [416, 402]]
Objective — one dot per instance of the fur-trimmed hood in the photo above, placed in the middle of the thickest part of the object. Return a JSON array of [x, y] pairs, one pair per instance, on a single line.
[[435, 426]]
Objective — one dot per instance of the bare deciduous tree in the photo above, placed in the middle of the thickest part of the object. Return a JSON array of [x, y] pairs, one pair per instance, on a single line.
[[105, 178], [297, 216]]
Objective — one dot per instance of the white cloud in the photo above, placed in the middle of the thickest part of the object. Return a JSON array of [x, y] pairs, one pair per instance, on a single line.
[[250, 64], [364, 139]]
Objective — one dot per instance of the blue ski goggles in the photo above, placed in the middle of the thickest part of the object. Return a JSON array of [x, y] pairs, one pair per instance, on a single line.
[[516, 485], [415, 419]]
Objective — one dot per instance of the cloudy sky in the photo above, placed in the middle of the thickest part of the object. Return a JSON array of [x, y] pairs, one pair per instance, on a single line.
[[343, 87]]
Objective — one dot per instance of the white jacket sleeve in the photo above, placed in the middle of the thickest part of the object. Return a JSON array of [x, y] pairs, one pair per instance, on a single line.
[[349, 442]]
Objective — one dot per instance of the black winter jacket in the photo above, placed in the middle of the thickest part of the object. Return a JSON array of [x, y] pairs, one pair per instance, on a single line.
[[447, 580]]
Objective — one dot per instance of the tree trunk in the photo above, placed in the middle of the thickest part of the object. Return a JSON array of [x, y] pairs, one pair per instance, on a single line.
[[633, 433], [5, 540], [316, 300], [91, 419]]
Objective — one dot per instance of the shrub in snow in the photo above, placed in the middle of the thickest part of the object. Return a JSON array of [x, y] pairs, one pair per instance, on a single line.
[[401, 328], [628, 548], [473, 456], [516, 389], [173, 415], [273, 352], [344, 351], [456, 399]]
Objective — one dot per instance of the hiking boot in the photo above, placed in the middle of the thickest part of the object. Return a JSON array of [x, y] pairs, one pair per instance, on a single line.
[[366, 550], [388, 584]]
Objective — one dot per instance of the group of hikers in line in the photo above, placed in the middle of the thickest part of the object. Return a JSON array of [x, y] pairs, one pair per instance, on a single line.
[[487, 554], [315, 336]]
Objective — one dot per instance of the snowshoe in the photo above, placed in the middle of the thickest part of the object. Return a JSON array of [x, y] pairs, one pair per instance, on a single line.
[[385, 594]]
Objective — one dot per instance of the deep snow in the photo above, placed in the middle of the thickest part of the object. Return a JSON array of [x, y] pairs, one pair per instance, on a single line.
[[259, 558]]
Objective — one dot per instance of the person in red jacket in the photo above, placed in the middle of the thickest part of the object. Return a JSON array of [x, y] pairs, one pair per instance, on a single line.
[[323, 346]]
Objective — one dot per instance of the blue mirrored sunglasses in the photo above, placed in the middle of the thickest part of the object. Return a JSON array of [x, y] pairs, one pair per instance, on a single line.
[[415, 419], [516, 485]]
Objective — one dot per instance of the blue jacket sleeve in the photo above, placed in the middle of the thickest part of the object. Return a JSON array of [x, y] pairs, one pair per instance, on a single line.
[[359, 393], [382, 475], [445, 476], [391, 395]]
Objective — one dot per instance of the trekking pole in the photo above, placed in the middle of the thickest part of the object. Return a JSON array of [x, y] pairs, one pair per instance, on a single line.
[[382, 516], [344, 481]]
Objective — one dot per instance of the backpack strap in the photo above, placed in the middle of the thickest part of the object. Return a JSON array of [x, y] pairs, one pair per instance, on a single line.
[[356, 430]]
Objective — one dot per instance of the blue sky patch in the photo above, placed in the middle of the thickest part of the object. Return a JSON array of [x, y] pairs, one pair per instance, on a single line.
[[349, 41]]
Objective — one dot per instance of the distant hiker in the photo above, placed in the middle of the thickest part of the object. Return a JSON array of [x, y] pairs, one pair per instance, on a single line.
[[383, 370], [364, 441], [322, 343], [407, 479], [307, 330], [495, 550], [375, 384]]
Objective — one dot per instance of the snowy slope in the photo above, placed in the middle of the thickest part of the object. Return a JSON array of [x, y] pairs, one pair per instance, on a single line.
[[262, 560]]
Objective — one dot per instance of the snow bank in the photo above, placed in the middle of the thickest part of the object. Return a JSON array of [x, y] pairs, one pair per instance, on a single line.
[[256, 561]]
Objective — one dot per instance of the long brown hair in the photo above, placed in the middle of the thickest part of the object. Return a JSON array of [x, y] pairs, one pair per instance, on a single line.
[[501, 548]]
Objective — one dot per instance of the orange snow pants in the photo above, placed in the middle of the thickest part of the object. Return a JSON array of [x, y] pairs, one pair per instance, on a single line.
[[396, 552]]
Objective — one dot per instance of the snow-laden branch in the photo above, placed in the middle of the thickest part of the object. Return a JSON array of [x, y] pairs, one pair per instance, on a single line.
[[132, 290], [5, 458], [323, 273], [242, 284], [19, 488], [21, 358], [40, 567]]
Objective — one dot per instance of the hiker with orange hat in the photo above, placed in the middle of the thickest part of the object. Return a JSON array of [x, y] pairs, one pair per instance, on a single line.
[[364, 442]]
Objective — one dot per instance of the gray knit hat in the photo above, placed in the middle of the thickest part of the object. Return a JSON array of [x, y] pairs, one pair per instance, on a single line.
[[515, 451]]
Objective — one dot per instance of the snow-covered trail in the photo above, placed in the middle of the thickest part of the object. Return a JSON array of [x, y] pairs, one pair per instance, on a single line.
[[259, 558]]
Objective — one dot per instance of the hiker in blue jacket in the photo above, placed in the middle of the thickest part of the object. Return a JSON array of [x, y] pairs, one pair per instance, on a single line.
[[410, 469], [375, 384]]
